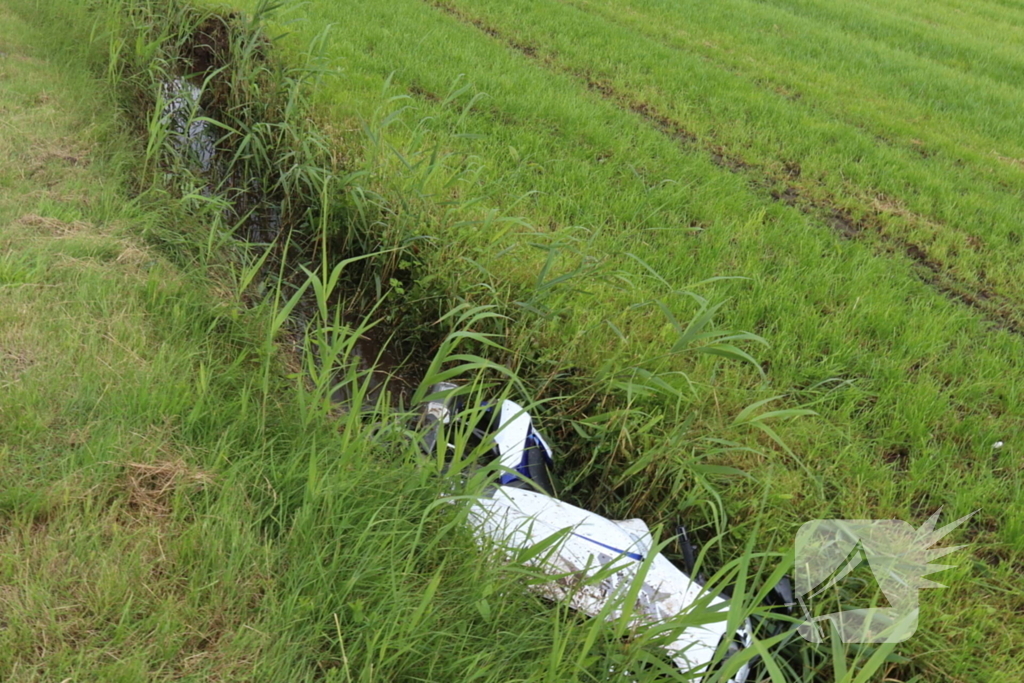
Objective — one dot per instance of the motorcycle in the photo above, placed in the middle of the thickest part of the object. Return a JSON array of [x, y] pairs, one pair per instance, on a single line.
[[594, 561]]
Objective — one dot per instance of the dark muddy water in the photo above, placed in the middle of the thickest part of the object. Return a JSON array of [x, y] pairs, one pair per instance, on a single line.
[[190, 134], [193, 137], [377, 361]]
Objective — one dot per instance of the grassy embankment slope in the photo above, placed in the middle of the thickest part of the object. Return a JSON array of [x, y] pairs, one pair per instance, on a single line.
[[167, 511], [860, 165]]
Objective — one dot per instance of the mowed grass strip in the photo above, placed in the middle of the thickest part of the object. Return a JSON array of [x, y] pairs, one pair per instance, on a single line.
[[917, 388]]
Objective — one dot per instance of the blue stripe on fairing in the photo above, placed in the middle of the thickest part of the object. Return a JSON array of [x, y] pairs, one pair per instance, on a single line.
[[523, 468], [633, 556]]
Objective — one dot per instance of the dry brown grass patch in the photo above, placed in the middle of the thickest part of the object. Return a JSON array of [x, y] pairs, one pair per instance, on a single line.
[[67, 151], [1013, 161], [151, 486], [13, 362], [53, 227], [893, 206], [133, 256]]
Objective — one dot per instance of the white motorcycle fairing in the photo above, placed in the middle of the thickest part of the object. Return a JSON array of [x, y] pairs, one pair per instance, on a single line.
[[518, 511], [516, 518]]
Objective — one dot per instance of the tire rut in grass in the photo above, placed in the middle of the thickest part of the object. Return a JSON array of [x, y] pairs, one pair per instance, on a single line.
[[814, 202]]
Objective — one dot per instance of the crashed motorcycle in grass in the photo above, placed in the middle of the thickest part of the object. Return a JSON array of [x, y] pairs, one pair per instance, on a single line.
[[594, 561]]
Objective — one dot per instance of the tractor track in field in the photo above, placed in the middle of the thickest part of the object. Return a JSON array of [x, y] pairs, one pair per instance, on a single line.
[[868, 228]]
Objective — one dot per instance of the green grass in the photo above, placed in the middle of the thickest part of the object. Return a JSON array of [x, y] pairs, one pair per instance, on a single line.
[[175, 505], [174, 508], [855, 164]]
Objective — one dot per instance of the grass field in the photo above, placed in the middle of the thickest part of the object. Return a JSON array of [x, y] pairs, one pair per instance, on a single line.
[[860, 165], [844, 180]]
